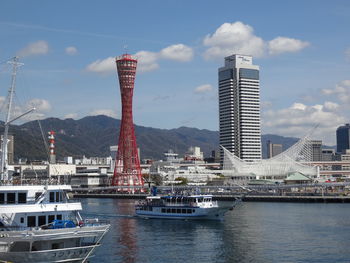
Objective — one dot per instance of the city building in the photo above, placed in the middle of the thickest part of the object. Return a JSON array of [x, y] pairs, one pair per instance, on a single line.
[[343, 138], [171, 156], [328, 155], [68, 160], [316, 150], [239, 107], [194, 154], [273, 149]]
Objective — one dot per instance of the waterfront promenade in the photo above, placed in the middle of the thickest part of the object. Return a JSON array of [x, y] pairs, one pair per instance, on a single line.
[[321, 192]]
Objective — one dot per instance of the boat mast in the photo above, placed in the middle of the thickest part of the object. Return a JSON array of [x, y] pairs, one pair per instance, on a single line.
[[4, 143]]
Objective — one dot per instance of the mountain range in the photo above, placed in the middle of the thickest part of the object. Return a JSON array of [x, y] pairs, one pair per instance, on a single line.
[[92, 136]]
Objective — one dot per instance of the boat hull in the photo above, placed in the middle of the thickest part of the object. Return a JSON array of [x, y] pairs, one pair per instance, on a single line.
[[75, 254], [76, 244]]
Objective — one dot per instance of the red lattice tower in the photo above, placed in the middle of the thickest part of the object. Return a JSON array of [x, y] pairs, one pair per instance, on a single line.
[[127, 171]]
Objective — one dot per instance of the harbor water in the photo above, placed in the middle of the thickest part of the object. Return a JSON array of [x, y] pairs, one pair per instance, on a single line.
[[252, 232]]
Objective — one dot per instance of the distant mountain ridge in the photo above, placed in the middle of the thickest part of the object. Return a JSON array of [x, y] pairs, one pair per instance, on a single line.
[[92, 136]]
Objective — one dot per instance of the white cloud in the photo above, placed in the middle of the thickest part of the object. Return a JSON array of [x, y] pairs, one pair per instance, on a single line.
[[203, 88], [40, 105], [71, 116], [239, 38], [331, 106], [232, 38], [71, 50], [299, 118], [147, 60], [106, 112], [284, 44], [298, 106], [177, 52], [341, 91], [40, 47], [103, 66]]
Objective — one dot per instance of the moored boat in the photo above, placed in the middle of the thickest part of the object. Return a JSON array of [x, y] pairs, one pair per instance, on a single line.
[[41, 224]]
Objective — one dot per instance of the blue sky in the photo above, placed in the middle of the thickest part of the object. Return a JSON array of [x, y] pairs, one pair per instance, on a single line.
[[302, 48]]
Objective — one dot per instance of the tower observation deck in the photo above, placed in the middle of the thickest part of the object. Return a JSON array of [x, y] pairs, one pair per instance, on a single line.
[[127, 171]]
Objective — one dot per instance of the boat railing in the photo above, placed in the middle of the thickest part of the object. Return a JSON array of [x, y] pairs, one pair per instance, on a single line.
[[32, 202], [94, 222], [83, 223]]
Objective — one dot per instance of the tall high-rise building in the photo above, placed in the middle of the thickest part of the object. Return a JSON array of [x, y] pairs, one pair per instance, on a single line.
[[343, 138], [273, 149], [316, 150], [239, 107], [127, 171]]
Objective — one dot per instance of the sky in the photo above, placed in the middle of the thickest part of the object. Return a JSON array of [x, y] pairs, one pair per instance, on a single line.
[[68, 50]]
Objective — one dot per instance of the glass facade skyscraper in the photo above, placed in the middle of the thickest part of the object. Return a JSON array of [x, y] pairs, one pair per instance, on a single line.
[[239, 107], [343, 138]]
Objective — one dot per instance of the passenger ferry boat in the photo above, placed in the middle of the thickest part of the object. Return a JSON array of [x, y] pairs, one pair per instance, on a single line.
[[181, 207], [41, 224]]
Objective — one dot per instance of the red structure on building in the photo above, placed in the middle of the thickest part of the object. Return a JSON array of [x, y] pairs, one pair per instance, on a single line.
[[127, 171]]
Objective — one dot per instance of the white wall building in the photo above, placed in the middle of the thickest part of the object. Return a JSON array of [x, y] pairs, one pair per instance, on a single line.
[[239, 107]]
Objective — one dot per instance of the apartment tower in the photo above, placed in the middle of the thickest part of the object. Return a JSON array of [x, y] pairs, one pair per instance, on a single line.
[[239, 107], [343, 138]]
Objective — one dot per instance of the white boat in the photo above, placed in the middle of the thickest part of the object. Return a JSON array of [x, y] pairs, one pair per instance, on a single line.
[[181, 207], [41, 224]]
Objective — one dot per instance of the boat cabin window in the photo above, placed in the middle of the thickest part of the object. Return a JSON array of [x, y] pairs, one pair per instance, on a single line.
[[37, 195], [31, 221], [22, 220], [11, 198], [52, 197], [42, 220], [20, 246], [57, 245], [55, 197], [2, 198], [51, 218], [200, 200], [22, 198], [177, 211], [59, 217]]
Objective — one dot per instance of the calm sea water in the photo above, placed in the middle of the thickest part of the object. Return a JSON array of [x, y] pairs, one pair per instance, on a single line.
[[253, 232]]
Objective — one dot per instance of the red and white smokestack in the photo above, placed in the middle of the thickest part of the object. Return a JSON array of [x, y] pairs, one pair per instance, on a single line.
[[52, 146]]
